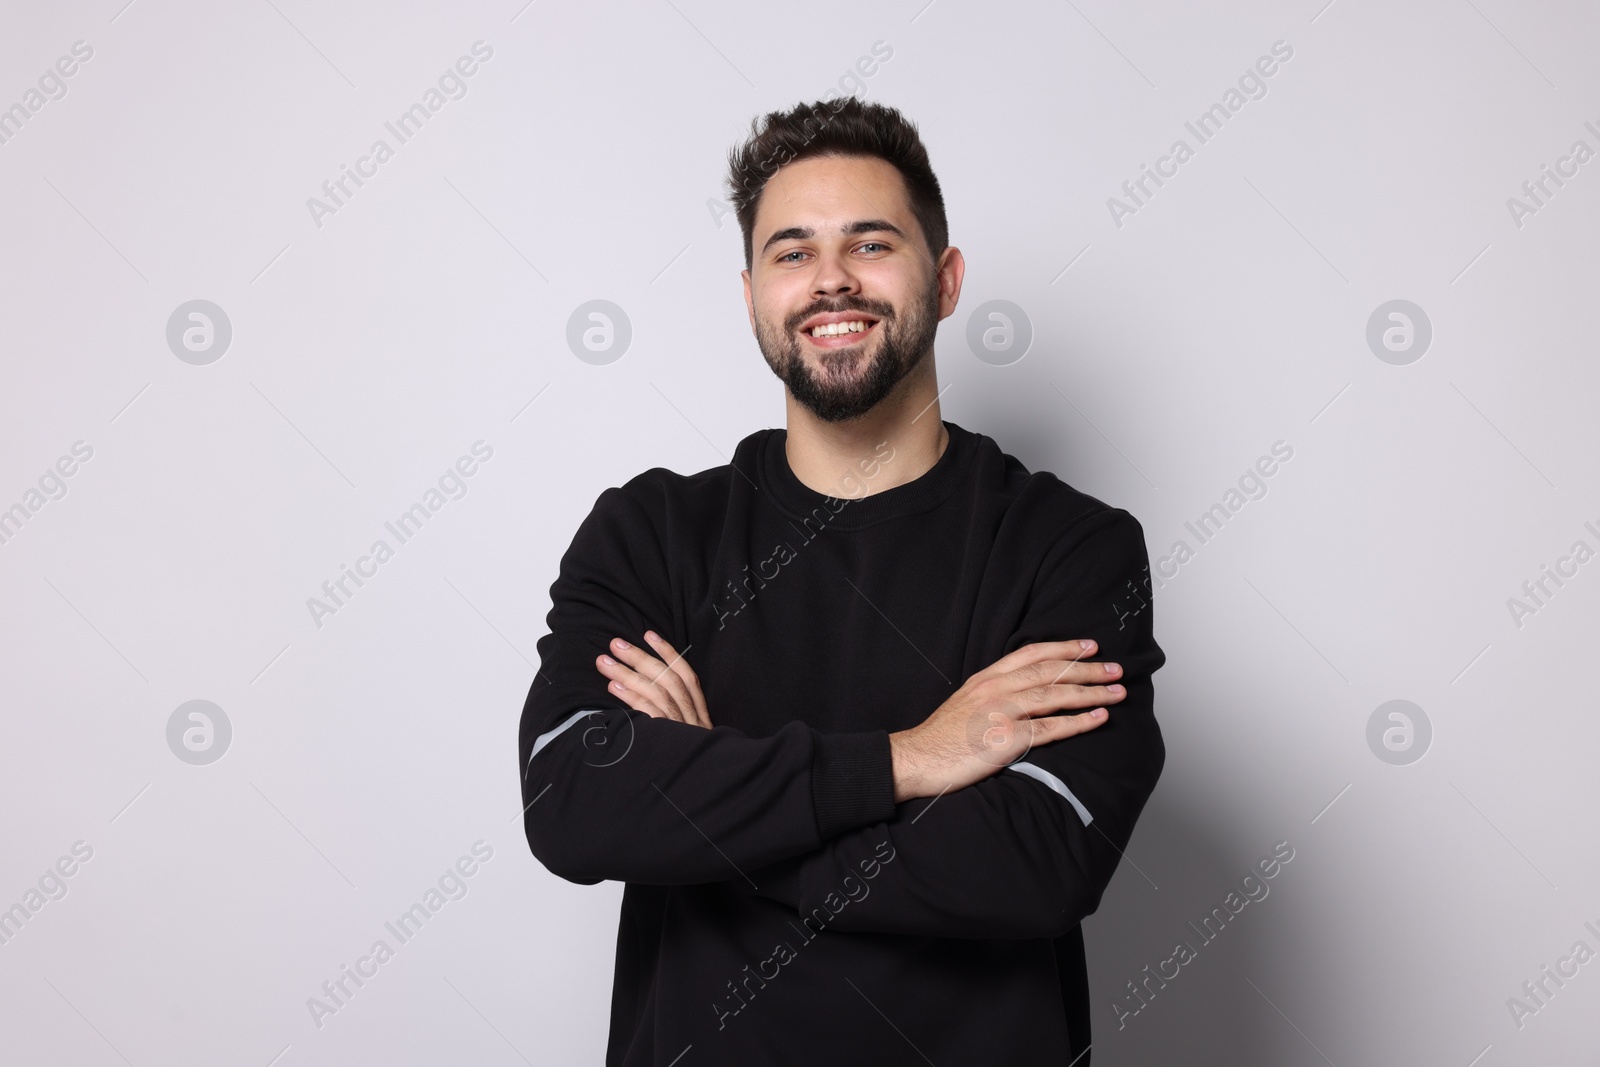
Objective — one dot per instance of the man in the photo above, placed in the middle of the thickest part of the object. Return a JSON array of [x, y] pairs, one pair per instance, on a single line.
[[865, 826]]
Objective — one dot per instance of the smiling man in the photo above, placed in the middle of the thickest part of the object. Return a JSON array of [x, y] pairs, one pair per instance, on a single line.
[[865, 825]]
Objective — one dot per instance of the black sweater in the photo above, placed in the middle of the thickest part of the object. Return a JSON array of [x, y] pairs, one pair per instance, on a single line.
[[780, 907]]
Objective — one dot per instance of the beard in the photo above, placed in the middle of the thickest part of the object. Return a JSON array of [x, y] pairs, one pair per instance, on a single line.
[[842, 388]]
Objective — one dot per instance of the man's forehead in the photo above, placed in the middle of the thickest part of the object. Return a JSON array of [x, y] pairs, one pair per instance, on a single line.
[[830, 194]]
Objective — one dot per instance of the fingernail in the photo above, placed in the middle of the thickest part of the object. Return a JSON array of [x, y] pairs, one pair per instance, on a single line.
[[1098, 713], [651, 635], [1115, 689], [1087, 646], [608, 661], [620, 643], [619, 687]]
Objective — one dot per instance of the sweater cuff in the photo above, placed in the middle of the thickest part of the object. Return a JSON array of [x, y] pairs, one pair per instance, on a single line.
[[852, 781]]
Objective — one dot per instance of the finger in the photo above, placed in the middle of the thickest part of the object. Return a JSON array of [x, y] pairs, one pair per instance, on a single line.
[[696, 710], [635, 699], [636, 689], [1050, 671], [648, 666], [680, 666], [618, 677], [1049, 699], [1035, 679], [1088, 670], [1060, 727], [1041, 650], [665, 686]]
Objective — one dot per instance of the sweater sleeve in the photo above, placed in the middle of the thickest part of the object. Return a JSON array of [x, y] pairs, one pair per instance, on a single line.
[[1027, 852], [612, 793]]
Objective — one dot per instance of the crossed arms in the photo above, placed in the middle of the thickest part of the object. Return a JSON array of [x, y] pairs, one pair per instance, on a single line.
[[1026, 812]]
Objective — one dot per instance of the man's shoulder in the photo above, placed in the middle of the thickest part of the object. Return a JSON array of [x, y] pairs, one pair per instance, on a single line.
[[662, 492], [1062, 537], [1043, 502]]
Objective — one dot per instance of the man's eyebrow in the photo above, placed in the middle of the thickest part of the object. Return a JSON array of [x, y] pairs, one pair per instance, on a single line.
[[800, 233]]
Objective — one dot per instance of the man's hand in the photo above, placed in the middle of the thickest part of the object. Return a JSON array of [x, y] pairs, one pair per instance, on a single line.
[[1000, 713], [662, 690]]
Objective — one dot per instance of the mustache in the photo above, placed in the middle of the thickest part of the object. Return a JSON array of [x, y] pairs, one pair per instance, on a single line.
[[824, 307]]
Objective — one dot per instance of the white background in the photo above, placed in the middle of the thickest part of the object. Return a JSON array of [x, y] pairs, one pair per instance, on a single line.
[[586, 162]]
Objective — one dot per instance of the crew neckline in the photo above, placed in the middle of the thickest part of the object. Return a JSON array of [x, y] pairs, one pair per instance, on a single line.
[[927, 490]]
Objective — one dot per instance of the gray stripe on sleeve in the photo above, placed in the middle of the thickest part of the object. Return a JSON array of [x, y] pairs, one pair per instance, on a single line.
[[550, 735], [1039, 774]]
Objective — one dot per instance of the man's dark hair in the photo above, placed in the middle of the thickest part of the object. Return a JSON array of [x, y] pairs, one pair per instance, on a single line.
[[843, 127]]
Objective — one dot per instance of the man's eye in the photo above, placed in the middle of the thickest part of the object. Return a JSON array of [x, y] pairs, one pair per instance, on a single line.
[[786, 255], [874, 244]]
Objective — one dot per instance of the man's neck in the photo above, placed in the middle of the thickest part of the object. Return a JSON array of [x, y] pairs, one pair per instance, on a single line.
[[847, 459]]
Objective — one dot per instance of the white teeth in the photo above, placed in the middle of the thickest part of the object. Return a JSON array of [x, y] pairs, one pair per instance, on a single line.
[[836, 328]]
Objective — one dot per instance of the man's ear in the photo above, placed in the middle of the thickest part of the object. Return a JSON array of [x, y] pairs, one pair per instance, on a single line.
[[749, 301], [952, 268]]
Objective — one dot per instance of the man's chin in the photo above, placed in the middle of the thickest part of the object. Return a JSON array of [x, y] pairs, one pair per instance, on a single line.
[[842, 368], [839, 399], [834, 413]]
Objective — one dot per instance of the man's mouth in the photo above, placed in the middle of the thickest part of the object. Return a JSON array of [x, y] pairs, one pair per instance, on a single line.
[[840, 334]]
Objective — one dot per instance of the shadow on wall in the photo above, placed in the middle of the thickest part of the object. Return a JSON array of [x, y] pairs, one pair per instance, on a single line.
[[1152, 1001]]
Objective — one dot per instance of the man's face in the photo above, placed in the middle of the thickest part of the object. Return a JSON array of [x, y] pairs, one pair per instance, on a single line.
[[834, 241]]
